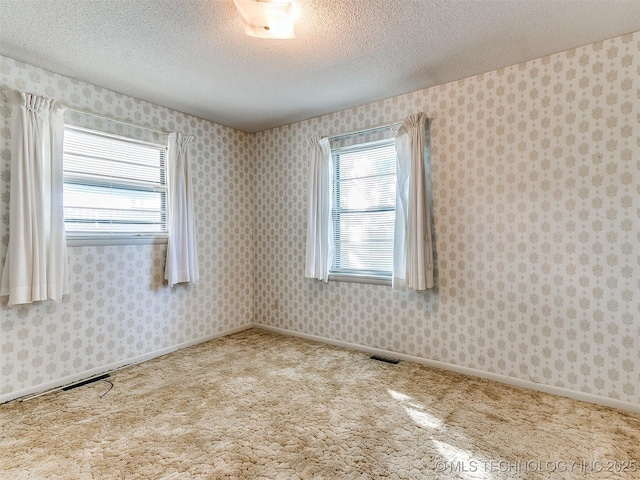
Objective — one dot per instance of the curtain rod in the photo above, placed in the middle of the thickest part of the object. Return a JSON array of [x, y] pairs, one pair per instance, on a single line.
[[363, 130], [111, 119]]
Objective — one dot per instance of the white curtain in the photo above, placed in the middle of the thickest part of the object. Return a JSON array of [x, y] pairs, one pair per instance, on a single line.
[[319, 254], [182, 251], [412, 245], [35, 267]]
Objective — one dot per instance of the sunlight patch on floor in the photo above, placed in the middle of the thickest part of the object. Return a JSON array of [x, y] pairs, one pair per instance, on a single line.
[[462, 462], [424, 419], [416, 411], [456, 460]]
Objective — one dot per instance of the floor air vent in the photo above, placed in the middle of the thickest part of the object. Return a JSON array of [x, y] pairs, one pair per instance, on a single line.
[[384, 359]]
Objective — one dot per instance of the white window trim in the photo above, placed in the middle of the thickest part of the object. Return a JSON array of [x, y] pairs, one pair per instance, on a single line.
[[92, 241], [360, 278]]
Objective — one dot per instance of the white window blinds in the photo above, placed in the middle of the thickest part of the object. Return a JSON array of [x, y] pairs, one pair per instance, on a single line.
[[364, 186], [113, 186]]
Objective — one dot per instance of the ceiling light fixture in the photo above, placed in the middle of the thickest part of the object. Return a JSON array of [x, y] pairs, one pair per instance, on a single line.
[[266, 18]]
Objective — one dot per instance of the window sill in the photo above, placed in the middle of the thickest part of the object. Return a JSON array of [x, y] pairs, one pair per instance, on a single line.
[[80, 241], [353, 278]]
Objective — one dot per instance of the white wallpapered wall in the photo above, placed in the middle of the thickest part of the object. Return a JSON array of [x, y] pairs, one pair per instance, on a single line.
[[536, 173], [118, 307]]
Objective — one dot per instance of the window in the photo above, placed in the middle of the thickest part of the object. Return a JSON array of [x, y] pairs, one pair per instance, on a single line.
[[114, 187], [364, 189]]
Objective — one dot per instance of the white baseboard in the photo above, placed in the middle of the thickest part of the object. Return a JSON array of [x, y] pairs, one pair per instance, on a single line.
[[61, 382], [516, 382], [585, 397]]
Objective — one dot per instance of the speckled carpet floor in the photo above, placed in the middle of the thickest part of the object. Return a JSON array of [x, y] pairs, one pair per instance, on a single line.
[[261, 405]]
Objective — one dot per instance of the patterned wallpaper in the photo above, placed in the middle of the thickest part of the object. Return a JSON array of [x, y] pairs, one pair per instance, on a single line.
[[537, 216], [118, 307], [536, 174]]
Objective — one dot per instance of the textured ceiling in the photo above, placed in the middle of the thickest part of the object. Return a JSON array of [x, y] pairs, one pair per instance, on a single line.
[[192, 55]]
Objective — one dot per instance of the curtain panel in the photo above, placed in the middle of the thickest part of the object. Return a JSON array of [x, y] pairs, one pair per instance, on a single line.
[[182, 250], [35, 267], [320, 249], [412, 245]]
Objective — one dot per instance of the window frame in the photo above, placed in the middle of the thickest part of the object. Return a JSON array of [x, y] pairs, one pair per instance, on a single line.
[[76, 238], [374, 277]]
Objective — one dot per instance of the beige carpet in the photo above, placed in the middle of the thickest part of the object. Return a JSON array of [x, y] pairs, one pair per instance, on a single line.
[[261, 405]]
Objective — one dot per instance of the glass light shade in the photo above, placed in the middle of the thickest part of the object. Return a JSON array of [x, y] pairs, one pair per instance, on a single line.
[[265, 19]]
